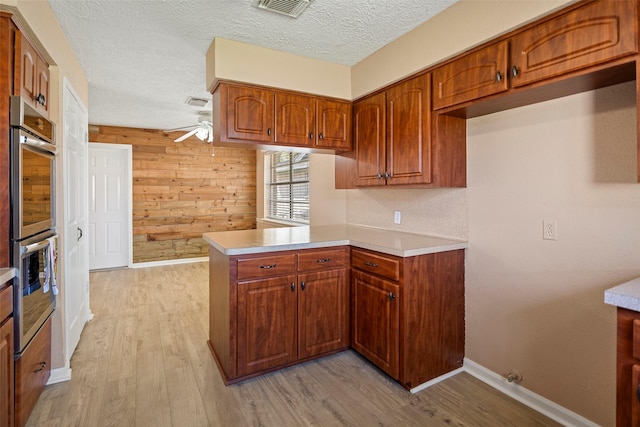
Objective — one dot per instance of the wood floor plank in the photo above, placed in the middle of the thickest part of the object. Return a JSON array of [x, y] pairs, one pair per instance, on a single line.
[[186, 402], [143, 361], [122, 360], [120, 403], [152, 398]]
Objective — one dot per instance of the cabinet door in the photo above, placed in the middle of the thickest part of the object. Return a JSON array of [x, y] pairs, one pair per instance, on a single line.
[[266, 324], [375, 314], [28, 73], [247, 114], [595, 33], [369, 133], [295, 119], [334, 125], [473, 76], [635, 395], [323, 312], [6, 373], [409, 132], [42, 80]]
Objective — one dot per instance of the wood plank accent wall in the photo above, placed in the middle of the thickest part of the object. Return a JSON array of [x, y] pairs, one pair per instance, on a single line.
[[180, 191]]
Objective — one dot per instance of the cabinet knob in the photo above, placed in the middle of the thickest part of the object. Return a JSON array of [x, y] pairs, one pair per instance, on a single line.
[[391, 296], [515, 71], [269, 131], [310, 135], [293, 286], [320, 137], [379, 175], [387, 175], [40, 99], [302, 286], [498, 77]]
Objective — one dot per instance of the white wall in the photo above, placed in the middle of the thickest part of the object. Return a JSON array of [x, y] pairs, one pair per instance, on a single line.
[[537, 305]]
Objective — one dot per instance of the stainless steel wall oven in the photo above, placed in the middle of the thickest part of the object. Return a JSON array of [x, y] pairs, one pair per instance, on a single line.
[[33, 237]]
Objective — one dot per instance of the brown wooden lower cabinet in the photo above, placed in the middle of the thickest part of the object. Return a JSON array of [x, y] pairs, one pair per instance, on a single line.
[[6, 373], [276, 309], [33, 369], [6, 356], [628, 368], [408, 313]]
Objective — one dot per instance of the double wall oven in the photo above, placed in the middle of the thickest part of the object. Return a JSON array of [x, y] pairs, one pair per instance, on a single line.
[[33, 236]]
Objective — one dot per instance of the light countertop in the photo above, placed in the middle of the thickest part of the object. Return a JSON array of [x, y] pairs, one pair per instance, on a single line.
[[6, 274], [626, 295], [242, 242]]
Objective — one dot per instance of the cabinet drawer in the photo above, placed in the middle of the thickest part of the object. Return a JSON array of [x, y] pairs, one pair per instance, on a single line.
[[6, 302], [376, 264], [32, 372], [267, 266], [323, 260]]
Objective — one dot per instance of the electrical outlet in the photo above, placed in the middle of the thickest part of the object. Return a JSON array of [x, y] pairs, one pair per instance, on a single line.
[[550, 229], [397, 216]]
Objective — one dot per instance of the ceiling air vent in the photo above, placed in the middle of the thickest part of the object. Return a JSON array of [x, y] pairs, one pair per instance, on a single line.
[[196, 102], [293, 8]]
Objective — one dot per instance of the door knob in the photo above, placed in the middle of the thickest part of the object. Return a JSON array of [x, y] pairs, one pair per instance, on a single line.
[[79, 233]]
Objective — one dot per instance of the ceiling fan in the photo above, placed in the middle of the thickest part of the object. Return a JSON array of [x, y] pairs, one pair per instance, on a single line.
[[203, 131]]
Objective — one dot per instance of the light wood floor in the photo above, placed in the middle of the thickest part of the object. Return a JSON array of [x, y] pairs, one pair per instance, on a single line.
[[143, 361]]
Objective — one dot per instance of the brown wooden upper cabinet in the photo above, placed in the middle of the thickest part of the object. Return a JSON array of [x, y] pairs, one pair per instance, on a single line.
[[592, 34], [270, 116], [392, 135], [34, 75], [472, 76]]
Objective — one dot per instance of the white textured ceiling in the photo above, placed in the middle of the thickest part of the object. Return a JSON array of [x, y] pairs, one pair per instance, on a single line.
[[143, 58]]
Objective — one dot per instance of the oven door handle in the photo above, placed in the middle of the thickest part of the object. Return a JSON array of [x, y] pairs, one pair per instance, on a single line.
[[34, 247], [38, 144]]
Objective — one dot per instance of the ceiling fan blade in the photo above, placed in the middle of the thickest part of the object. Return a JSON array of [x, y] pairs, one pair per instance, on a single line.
[[176, 129], [186, 135]]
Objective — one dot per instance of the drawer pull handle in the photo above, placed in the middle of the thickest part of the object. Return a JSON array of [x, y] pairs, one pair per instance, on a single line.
[[323, 260], [268, 266], [42, 366], [370, 264]]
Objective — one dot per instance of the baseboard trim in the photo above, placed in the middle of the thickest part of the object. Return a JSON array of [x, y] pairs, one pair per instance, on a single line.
[[436, 380], [59, 375], [168, 262], [534, 401]]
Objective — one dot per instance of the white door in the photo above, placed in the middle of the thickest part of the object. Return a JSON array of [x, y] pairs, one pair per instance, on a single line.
[[109, 205], [76, 267]]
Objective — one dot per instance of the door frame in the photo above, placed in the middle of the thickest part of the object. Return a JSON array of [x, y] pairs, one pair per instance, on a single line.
[[128, 181]]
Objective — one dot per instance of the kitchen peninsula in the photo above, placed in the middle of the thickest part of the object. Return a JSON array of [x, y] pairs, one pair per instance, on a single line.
[[283, 296]]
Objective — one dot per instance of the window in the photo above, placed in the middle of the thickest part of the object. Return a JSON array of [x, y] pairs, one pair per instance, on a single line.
[[287, 186]]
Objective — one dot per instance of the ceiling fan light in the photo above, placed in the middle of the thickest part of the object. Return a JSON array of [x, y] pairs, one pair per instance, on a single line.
[[202, 133]]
